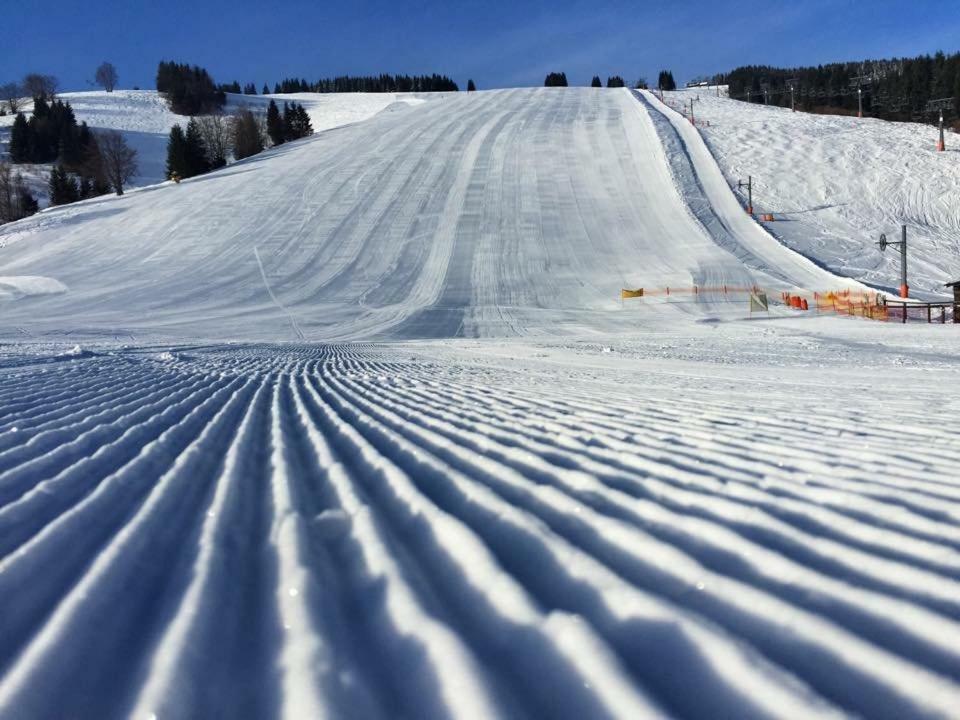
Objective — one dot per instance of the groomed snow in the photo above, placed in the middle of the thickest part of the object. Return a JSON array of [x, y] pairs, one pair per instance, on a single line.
[[835, 183], [360, 428], [145, 121]]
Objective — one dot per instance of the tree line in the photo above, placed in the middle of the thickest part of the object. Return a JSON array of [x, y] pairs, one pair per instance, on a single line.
[[369, 84], [206, 142], [898, 89], [665, 80], [189, 89], [615, 81], [87, 163]]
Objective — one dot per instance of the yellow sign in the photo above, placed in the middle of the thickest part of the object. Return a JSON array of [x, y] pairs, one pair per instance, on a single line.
[[624, 294]]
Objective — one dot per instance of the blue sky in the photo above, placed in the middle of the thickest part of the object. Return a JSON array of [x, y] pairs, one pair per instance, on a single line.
[[498, 43]]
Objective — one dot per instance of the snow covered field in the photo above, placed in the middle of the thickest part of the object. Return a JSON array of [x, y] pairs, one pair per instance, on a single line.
[[835, 183], [360, 428], [145, 121]]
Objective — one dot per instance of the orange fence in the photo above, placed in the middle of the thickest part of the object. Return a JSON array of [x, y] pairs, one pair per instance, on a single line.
[[853, 303]]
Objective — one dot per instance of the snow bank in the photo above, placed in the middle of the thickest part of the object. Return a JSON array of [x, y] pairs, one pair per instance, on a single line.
[[16, 287]]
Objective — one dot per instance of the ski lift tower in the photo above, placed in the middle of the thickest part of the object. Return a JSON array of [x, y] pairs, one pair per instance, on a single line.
[[792, 84], [939, 106], [859, 82], [902, 244]]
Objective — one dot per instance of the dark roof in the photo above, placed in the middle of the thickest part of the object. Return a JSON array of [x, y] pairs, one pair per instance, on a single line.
[[955, 283]]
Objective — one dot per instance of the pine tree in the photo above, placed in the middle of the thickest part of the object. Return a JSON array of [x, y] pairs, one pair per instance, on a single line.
[[177, 165], [596, 81], [20, 141], [289, 123], [274, 124], [197, 162], [63, 187], [304, 127], [471, 87], [665, 81], [266, 90]]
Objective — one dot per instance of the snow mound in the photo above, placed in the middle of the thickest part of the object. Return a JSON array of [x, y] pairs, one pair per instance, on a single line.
[[17, 287]]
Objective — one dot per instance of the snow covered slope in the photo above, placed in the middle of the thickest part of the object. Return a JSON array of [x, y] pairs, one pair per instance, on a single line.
[[145, 120], [507, 212], [664, 508], [694, 525], [835, 183]]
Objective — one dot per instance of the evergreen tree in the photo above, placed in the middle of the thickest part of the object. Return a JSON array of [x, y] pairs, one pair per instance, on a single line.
[[246, 134], [274, 124], [177, 163], [556, 79], [615, 82], [190, 90], [197, 162], [63, 187], [596, 81], [304, 126], [20, 141], [471, 87], [289, 123], [266, 90], [665, 80]]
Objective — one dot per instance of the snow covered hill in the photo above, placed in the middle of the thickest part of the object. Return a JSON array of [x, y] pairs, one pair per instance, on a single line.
[[835, 183], [145, 121], [496, 213], [359, 427]]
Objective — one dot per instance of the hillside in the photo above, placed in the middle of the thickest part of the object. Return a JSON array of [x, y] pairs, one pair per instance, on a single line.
[[360, 427], [145, 121], [501, 213], [835, 183]]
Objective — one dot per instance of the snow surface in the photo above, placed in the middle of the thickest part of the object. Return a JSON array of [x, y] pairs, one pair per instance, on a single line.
[[145, 121], [508, 495], [835, 183]]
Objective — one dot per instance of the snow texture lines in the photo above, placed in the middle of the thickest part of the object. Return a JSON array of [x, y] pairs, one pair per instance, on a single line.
[[373, 531]]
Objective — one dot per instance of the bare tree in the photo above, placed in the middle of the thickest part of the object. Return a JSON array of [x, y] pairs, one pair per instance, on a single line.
[[216, 141], [107, 76], [247, 133], [119, 159], [16, 202], [40, 86], [12, 94]]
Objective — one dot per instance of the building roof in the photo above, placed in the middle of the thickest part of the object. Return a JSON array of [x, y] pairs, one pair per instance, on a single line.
[[955, 283]]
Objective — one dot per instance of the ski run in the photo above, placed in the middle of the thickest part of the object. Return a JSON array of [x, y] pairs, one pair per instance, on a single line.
[[360, 428]]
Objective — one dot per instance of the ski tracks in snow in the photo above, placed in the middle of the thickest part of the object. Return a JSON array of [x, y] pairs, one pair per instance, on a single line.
[[364, 531]]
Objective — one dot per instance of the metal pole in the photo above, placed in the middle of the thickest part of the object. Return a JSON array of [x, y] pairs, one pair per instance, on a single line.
[[904, 288], [941, 145], [859, 103], [793, 104]]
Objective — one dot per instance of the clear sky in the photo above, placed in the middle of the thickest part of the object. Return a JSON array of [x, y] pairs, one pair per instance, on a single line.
[[498, 43]]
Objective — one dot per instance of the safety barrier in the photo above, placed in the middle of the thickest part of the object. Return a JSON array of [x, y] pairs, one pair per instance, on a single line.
[[929, 312], [848, 302]]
